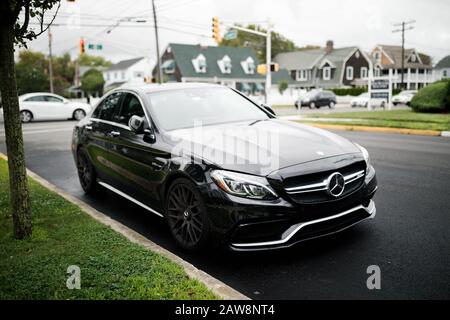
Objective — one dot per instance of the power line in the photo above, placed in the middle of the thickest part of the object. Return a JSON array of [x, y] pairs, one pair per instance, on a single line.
[[405, 26]]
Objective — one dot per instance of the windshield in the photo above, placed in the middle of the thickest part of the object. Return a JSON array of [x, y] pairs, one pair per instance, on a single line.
[[176, 109]]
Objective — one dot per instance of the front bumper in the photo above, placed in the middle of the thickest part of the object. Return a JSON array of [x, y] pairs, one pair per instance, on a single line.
[[248, 225], [313, 229]]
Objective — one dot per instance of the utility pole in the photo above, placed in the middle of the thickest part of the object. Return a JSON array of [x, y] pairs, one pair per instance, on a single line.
[[50, 64], [158, 61], [405, 26], [268, 62]]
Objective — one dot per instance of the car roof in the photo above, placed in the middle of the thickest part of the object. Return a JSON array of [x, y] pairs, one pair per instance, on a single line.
[[32, 94], [155, 87]]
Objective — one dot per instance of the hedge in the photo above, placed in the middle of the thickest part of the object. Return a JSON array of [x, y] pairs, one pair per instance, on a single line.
[[357, 91], [433, 98]]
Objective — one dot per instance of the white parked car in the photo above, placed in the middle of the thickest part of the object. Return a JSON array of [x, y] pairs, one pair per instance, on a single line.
[[48, 106], [403, 97], [363, 101]]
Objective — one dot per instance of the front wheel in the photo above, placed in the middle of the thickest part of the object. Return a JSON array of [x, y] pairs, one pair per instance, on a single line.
[[25, 116], [331, 104], [79, 114], [312, 105], [186, 215]]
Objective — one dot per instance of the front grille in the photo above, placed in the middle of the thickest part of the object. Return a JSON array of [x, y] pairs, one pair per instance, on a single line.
[[312, 188]]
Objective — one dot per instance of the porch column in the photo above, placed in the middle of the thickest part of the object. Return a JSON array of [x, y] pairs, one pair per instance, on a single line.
[[408, 79]]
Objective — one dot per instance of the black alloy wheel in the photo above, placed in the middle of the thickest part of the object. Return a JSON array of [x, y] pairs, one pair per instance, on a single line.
[[86, 172], [186, 215]]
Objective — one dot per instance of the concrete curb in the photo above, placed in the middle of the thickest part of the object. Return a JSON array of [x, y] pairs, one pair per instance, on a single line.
[[374, 129], [216, 286]]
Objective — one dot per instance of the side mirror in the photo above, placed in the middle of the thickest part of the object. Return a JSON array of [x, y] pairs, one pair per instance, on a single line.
[[268, 109], [136, 124], [149, 135]]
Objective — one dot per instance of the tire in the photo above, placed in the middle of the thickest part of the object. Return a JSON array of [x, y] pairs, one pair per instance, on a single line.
[[395, 103], [312, 105], [366, 105], [331, 105], [78, 114], [26, 116], [296, 105], [186, 216], [86, 173]]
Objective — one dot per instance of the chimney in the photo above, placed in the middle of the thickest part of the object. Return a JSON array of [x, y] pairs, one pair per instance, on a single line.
[[329, 46]]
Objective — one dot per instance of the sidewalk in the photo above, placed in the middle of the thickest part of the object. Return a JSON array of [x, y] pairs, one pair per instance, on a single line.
[[322, 123]]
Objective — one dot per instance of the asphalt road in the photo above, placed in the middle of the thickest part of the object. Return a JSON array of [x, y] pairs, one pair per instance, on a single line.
[[409, 239]]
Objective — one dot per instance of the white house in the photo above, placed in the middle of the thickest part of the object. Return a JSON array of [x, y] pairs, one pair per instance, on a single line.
[[133, 71], [442, 69]]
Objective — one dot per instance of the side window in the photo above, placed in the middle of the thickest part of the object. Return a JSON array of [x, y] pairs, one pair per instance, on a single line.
[[36, 99], [108, 108], [52, 99], [130, 107]]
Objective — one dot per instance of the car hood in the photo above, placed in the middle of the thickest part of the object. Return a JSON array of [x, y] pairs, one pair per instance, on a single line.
[[258, 147]]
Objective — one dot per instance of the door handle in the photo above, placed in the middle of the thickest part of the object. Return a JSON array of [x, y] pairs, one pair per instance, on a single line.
[[114, 133], [88, 128]]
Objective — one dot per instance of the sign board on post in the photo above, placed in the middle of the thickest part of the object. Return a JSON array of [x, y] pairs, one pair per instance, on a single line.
[[380, 88]]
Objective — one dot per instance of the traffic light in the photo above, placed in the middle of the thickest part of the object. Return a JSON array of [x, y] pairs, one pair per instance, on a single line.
[[216, 30], [82, 44]]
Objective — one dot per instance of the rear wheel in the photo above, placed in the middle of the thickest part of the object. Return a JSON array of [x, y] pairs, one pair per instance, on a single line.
[[86, 172], [186, 215], [331, 104], [312, 105], [25, 116], [79, 114]]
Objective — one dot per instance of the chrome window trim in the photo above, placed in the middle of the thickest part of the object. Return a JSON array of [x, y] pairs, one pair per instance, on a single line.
[[323, 185], [291, 231], [117, 124]]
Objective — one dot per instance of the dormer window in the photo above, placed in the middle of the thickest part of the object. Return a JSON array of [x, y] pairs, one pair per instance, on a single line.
[[168, 66], [199, 64], [248, 65], [377, 56], [326, 73], [225, 64]]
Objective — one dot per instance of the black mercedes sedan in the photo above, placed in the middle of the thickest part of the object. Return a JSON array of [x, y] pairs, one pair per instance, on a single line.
[[221, 169]]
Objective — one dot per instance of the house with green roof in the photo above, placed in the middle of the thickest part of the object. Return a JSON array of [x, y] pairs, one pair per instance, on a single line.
[[442, 69], [326, 67], [231, 66]]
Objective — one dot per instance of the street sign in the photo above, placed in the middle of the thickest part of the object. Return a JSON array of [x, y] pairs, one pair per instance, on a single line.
[[380, 95], [380, 88], [230, 35], [92, 46]]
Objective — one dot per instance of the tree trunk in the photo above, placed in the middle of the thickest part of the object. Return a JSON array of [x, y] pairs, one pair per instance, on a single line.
[[19, 195]]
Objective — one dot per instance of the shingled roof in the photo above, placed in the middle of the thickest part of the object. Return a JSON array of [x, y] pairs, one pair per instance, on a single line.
[[395, 53], [124, 64], [443, 63], [185, 53]]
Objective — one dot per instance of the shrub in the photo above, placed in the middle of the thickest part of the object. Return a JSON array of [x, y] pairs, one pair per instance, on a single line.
[[357, 91], [433, 98], [282, 86]]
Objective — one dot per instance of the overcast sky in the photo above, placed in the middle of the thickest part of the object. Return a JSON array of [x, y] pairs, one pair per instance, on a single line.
[[363, 23]]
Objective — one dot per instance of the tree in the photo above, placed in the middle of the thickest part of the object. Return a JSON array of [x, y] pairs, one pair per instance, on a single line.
[[92, 81], [31, 72], [282, 86], [258, 43], [13, 31], [93, 61]]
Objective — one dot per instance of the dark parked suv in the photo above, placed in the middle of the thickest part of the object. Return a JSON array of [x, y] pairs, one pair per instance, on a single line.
[[221, 169], [317, 99]]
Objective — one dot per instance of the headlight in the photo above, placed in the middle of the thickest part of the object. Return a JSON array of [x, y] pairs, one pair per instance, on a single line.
[[365, 155], [243, 185]]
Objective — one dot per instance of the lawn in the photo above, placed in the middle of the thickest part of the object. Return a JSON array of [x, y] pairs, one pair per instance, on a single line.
[[63, 235], [393, 119]]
